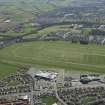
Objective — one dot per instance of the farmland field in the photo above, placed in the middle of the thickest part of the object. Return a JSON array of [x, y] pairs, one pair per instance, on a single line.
[[56, 55]]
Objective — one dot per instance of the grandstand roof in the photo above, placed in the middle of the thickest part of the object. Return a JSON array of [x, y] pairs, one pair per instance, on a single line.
[[49, 75]]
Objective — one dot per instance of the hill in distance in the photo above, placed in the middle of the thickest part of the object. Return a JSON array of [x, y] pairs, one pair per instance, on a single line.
[[22, 10]]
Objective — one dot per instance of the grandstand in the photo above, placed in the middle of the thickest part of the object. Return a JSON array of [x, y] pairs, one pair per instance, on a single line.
[[46, 75]]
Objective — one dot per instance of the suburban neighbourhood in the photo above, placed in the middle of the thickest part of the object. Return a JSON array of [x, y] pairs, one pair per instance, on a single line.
[[68, 88]]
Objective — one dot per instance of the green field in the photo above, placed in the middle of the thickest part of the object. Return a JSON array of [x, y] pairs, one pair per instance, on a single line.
[[6, 69], [56, 28], [49, 100], [56, 55]]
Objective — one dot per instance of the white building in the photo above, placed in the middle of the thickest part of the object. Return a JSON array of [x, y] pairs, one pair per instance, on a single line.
[[46, 75]]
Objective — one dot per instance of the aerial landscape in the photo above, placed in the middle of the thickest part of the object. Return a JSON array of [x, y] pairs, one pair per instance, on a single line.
[[52, 52]]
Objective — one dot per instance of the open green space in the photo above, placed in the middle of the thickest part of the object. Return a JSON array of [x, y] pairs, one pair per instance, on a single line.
[[49, 100], [88, 99], [6, 69], [56, 54], [55, 29]]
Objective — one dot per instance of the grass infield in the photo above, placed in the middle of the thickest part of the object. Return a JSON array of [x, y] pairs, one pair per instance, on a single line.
[[55, 54]]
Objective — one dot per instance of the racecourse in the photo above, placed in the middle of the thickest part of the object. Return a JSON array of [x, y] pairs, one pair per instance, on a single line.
[[6, 69], [56, 54]]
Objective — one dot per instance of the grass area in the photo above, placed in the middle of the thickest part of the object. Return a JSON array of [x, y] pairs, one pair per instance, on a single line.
[[49, 100], [88, 99], [51, 29], [57, 55], [57, 28], [6, 69]]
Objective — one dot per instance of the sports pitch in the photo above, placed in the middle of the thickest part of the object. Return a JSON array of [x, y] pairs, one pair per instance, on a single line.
[[56, 55]]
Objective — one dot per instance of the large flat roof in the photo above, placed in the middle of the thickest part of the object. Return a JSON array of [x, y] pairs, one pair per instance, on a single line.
[[49, 75]]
